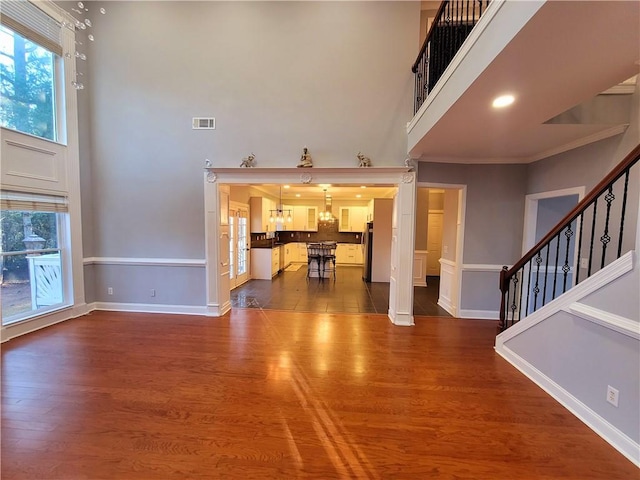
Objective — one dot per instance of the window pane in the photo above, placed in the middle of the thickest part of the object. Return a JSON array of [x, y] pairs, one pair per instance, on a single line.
[[27, 100], [30, 281], [26, 290], [23, 230]]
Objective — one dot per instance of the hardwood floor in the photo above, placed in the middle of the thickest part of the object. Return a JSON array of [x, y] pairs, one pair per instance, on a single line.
[[281, 395]]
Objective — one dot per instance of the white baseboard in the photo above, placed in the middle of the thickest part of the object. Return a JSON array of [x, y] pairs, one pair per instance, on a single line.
[[150, 308], [447, 305], [215, 310], [480, 314], [419, 283], [401, 319], [619, 440]]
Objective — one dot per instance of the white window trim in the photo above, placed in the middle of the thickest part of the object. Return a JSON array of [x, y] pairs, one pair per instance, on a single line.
[[73, 268]]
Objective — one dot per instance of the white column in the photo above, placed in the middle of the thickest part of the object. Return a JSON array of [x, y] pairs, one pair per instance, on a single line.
[[402, 246], [216, 208]]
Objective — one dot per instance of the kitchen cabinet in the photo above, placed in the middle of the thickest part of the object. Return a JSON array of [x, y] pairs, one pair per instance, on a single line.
[[349, 254], [275, 260], [352, 219], [302, 252], [261, 208], [305, 218], [265, 262], [290, 253]]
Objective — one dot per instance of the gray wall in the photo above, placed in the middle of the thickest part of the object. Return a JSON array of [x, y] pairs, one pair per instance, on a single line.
[[494, 210], [551, 211], [334, 76]]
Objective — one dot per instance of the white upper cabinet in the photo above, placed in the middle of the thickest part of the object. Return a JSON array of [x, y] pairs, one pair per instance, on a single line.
[[261, 213], [305, 218], [352, 219]]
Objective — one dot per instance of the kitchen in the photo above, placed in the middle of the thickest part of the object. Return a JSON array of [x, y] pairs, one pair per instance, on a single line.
[[284, 219]]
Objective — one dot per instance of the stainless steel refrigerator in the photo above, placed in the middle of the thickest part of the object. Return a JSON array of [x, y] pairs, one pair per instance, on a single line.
[[367, 242]]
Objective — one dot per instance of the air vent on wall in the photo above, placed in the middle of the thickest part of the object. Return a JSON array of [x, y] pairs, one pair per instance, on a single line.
[[204, 123]]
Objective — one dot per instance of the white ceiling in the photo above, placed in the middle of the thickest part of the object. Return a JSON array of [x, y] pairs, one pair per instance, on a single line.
[[567, 53]]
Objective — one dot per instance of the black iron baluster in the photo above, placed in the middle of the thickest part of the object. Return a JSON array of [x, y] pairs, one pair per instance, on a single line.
[[593, 233], [536, 289], [605, 238], [555, 271], [521, 287], [624, 210], [506, 306], [528, 285], [580, 247], [565, 268], [513, 304], [546, 275]]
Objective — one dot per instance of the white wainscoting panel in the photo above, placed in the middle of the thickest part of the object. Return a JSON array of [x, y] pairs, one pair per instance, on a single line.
[[420, 268], [30, 162], [447, 286]]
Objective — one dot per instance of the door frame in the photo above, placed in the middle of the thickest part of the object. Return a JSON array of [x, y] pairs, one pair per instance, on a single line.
[[217, 182]]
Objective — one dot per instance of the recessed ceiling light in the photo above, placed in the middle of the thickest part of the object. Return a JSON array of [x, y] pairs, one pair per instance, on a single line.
[[363, 186], [298, 195], [358, 196], [503, 101], [286, 186]]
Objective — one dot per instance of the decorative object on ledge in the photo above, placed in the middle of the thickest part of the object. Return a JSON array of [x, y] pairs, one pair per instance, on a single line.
[[305, 159], [363, 161], [280, 215], [410, 164], [248, 161], [326, 215], [207, 163]]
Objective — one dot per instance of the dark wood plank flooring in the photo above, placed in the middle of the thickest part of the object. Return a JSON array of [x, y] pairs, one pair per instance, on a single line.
[[266, 394], [347, 293]]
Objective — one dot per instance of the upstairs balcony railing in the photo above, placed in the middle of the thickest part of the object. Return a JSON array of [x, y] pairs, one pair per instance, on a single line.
[[589, 237], [450, 28]]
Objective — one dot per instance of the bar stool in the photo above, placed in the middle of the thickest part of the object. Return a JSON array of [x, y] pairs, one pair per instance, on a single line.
[[329, 260], [314, 254]]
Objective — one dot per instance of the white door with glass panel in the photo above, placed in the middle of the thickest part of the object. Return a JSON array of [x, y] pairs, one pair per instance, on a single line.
[[238, 244]]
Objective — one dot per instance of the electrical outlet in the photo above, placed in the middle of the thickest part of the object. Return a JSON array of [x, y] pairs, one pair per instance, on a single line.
[[110, 291], [584, 263], [612, 395], [153, 292]]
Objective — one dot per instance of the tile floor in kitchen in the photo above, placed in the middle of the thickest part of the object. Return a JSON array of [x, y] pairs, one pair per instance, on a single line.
[[348, 293]]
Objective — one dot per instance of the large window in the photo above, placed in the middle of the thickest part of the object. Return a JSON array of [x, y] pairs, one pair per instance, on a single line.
[[27, 86], [30, 256]]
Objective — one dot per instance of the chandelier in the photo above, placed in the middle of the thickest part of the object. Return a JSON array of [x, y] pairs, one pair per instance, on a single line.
[[325, 215], [280, 215]]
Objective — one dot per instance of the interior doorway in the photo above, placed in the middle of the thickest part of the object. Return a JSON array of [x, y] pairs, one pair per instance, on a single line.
[[442, 208]]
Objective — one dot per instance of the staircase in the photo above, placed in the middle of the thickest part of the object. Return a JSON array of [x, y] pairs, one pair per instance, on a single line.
[[588, 238], [570, 313]]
